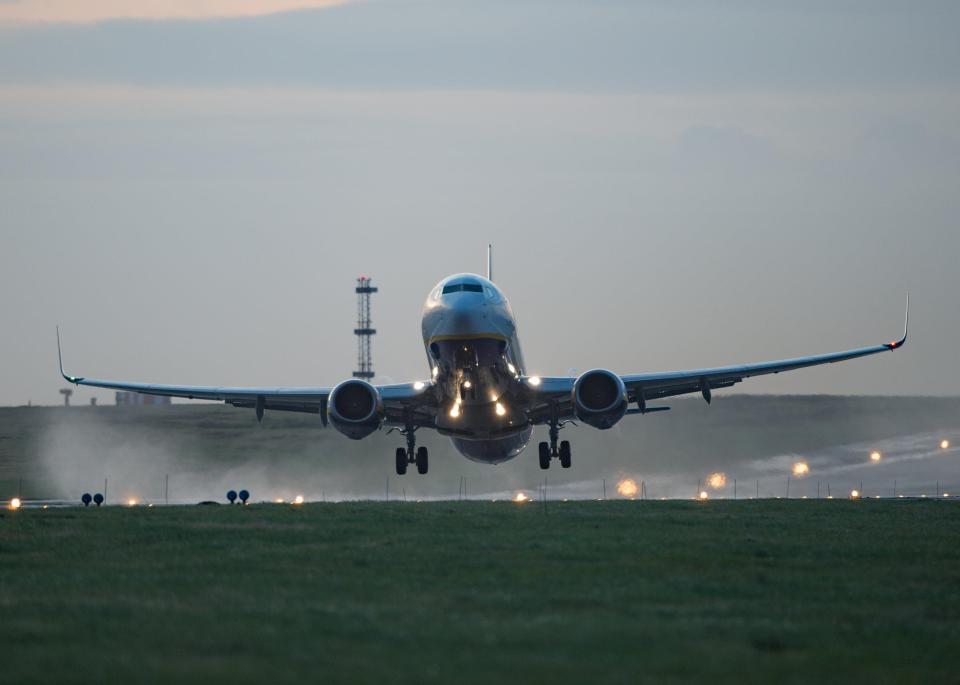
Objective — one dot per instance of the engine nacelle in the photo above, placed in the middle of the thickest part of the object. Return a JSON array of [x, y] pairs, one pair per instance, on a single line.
[[355, 408], [599, 398]]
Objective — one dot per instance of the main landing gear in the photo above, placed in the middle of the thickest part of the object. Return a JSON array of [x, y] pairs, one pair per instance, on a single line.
[[549, 450], [411, 454]]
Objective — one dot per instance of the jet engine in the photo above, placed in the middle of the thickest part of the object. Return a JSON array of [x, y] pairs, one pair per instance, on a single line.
[[355, 408], [599, 398]]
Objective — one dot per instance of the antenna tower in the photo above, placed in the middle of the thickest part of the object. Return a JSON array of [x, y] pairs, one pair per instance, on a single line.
[[364, 331]]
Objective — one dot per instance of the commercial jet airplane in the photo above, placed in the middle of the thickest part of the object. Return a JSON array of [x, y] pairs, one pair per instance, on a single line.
[[478, 392]]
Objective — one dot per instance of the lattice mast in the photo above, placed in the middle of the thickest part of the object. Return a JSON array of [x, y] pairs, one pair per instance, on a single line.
[[364, 330]]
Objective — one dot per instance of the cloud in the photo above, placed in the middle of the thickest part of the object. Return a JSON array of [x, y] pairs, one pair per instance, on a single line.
[[91, 11]]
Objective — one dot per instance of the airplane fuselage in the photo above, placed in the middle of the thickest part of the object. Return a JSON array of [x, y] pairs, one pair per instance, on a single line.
[[470, 338]]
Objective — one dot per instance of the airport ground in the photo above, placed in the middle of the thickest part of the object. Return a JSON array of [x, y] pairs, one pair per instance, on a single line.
[[204, 450], [364, 592]]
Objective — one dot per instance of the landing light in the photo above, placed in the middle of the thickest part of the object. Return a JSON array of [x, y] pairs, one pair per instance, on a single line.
[[513, 369], [298, 499], [627, 488], [534, 381], [467, 384], [944, 444], [419, 385], [455, 410], [435, 371], [520, 497], [717, 480], [801, 468], [500, 409], [15, 503], [875, 456]]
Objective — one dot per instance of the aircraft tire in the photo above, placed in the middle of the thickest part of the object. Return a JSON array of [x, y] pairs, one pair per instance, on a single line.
[[401, 461], [544, 456], [565, 454], [422, 460]]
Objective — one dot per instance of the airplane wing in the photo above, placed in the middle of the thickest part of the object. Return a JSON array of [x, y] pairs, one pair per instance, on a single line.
[[398, 399], [642, 387]]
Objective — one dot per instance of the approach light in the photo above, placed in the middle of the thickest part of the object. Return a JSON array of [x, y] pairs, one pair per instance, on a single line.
[[801, 468], [703, 494], [500, 409], [98, 499], [279, 500], [298, 499], [534, 381], [944, 444], [231, 496], [419, 385], [244, 496], [520, 497], [15, 503], [86, 499], [854, 494], [131, 502], [875, 456]]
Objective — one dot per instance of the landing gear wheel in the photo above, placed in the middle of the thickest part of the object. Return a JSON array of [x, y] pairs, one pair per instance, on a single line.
[[401, 461], [421, 460], [544, 456], [565, 454]]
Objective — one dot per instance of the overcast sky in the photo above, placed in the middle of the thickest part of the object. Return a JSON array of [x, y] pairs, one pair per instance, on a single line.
[[190, 189]]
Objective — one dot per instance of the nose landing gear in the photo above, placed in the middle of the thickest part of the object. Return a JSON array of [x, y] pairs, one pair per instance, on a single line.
[[550, 450]]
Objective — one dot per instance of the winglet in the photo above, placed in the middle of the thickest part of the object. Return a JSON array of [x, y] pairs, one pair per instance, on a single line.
[[906, 324], [69, 379]]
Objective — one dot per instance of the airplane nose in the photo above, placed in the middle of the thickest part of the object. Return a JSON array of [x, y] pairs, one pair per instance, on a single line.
[[462, 315]]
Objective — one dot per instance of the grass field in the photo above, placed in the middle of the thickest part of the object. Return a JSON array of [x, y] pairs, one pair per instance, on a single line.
[[762, 591]]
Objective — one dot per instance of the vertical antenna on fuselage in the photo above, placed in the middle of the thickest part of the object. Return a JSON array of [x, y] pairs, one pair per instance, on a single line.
[[490, 261]]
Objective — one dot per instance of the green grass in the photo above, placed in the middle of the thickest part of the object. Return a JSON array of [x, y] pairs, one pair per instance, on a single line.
[[763, 591]]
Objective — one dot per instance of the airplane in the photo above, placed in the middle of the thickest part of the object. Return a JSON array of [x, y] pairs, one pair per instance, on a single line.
[[478, 392]]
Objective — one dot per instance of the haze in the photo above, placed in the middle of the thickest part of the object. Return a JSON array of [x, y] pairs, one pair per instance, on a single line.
[[668, 185]]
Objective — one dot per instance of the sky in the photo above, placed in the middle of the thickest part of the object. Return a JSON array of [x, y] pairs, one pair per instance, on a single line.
[[190, 189]]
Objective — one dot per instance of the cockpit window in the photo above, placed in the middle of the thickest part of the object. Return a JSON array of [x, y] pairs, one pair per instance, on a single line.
[[462, 287]]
